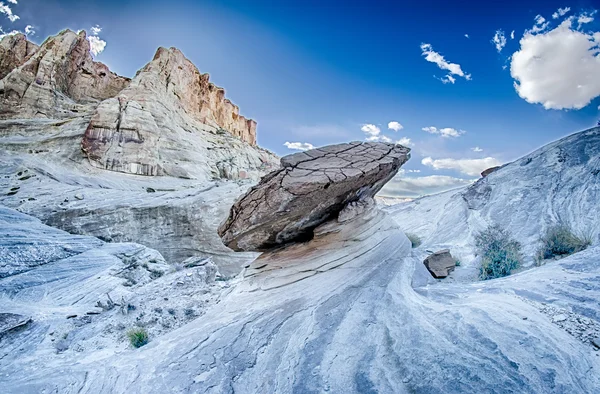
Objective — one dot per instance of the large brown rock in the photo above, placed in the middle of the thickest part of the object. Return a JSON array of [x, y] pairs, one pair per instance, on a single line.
[[310, 188], [440, 263], [57, 79], [15, 50]]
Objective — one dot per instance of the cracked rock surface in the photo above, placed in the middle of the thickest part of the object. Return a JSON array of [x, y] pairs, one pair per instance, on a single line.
[[310, 188]]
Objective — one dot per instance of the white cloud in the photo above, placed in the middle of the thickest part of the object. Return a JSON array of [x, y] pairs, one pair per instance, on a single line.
[[453, 68], [379, 138], [12, 1], [395, 126], [477, 149], [96, 30], [470, 167], [540, 25], [558, 68], [11, 33], [466, 35], [96, 44], [401, 186], [445, 132], [29, 30], [6, 10], [370, 129], [499, 40], [512, 35], [299, 146], [404, 141], [561, 12], [585, 18], [447, 79]]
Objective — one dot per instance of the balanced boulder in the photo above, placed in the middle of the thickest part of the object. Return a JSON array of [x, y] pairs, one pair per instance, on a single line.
[[310, 188], [440, 263]]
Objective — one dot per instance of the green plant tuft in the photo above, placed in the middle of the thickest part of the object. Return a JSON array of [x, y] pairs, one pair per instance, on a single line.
[[500, 253], [138, 337], [560, 241]]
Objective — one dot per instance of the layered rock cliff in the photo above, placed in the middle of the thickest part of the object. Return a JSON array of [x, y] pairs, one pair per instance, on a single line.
[[168, 123], [140, 131], [55, 80], [14, 51]]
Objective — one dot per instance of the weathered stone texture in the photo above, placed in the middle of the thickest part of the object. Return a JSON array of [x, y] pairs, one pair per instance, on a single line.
[[310, 188]]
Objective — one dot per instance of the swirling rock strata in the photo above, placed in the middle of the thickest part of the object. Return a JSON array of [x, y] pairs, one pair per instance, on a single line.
[[310, 188]]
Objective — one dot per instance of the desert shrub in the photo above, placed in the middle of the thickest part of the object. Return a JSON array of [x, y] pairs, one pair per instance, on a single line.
[[559, 241], [415, 241], [138, 337], [500, 253]]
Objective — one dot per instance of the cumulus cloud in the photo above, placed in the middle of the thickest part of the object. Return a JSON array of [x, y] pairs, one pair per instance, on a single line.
[[512, 35], [374, 133], [404, 141], [499, 40], [96, 30], [447, 79], [6, 10], [97, 45], [470, 167], [540, 25], [561, 12], [402, 186], [558, 68], [299, 146], [29, 30], [585, 18], [445, 132], [370, 129], [395, 126], [477, 149], [453, 68], [12, 1], [466, 35]]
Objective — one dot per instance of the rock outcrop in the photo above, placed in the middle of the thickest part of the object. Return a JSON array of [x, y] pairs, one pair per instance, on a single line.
[[15, 50], [489, 171], [57, 80], [310, 188], [440, 263], [144, 129]]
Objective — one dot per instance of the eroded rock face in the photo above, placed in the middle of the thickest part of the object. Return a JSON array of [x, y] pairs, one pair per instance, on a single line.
[[310, 188], [148, 128], [440, 263], [55, 80], [14, 51], [489, 171]]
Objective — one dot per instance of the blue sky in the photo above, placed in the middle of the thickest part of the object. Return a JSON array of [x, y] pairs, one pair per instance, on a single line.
[[319, 72]]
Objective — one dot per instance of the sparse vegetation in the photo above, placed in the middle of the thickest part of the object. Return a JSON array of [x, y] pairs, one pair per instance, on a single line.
[[414, 240], [500, 253], [560, 241], [138, 337]]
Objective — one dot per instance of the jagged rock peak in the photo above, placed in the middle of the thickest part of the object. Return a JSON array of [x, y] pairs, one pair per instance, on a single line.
[[57, 77], [201, 99], [310, 188], [15, 50]]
